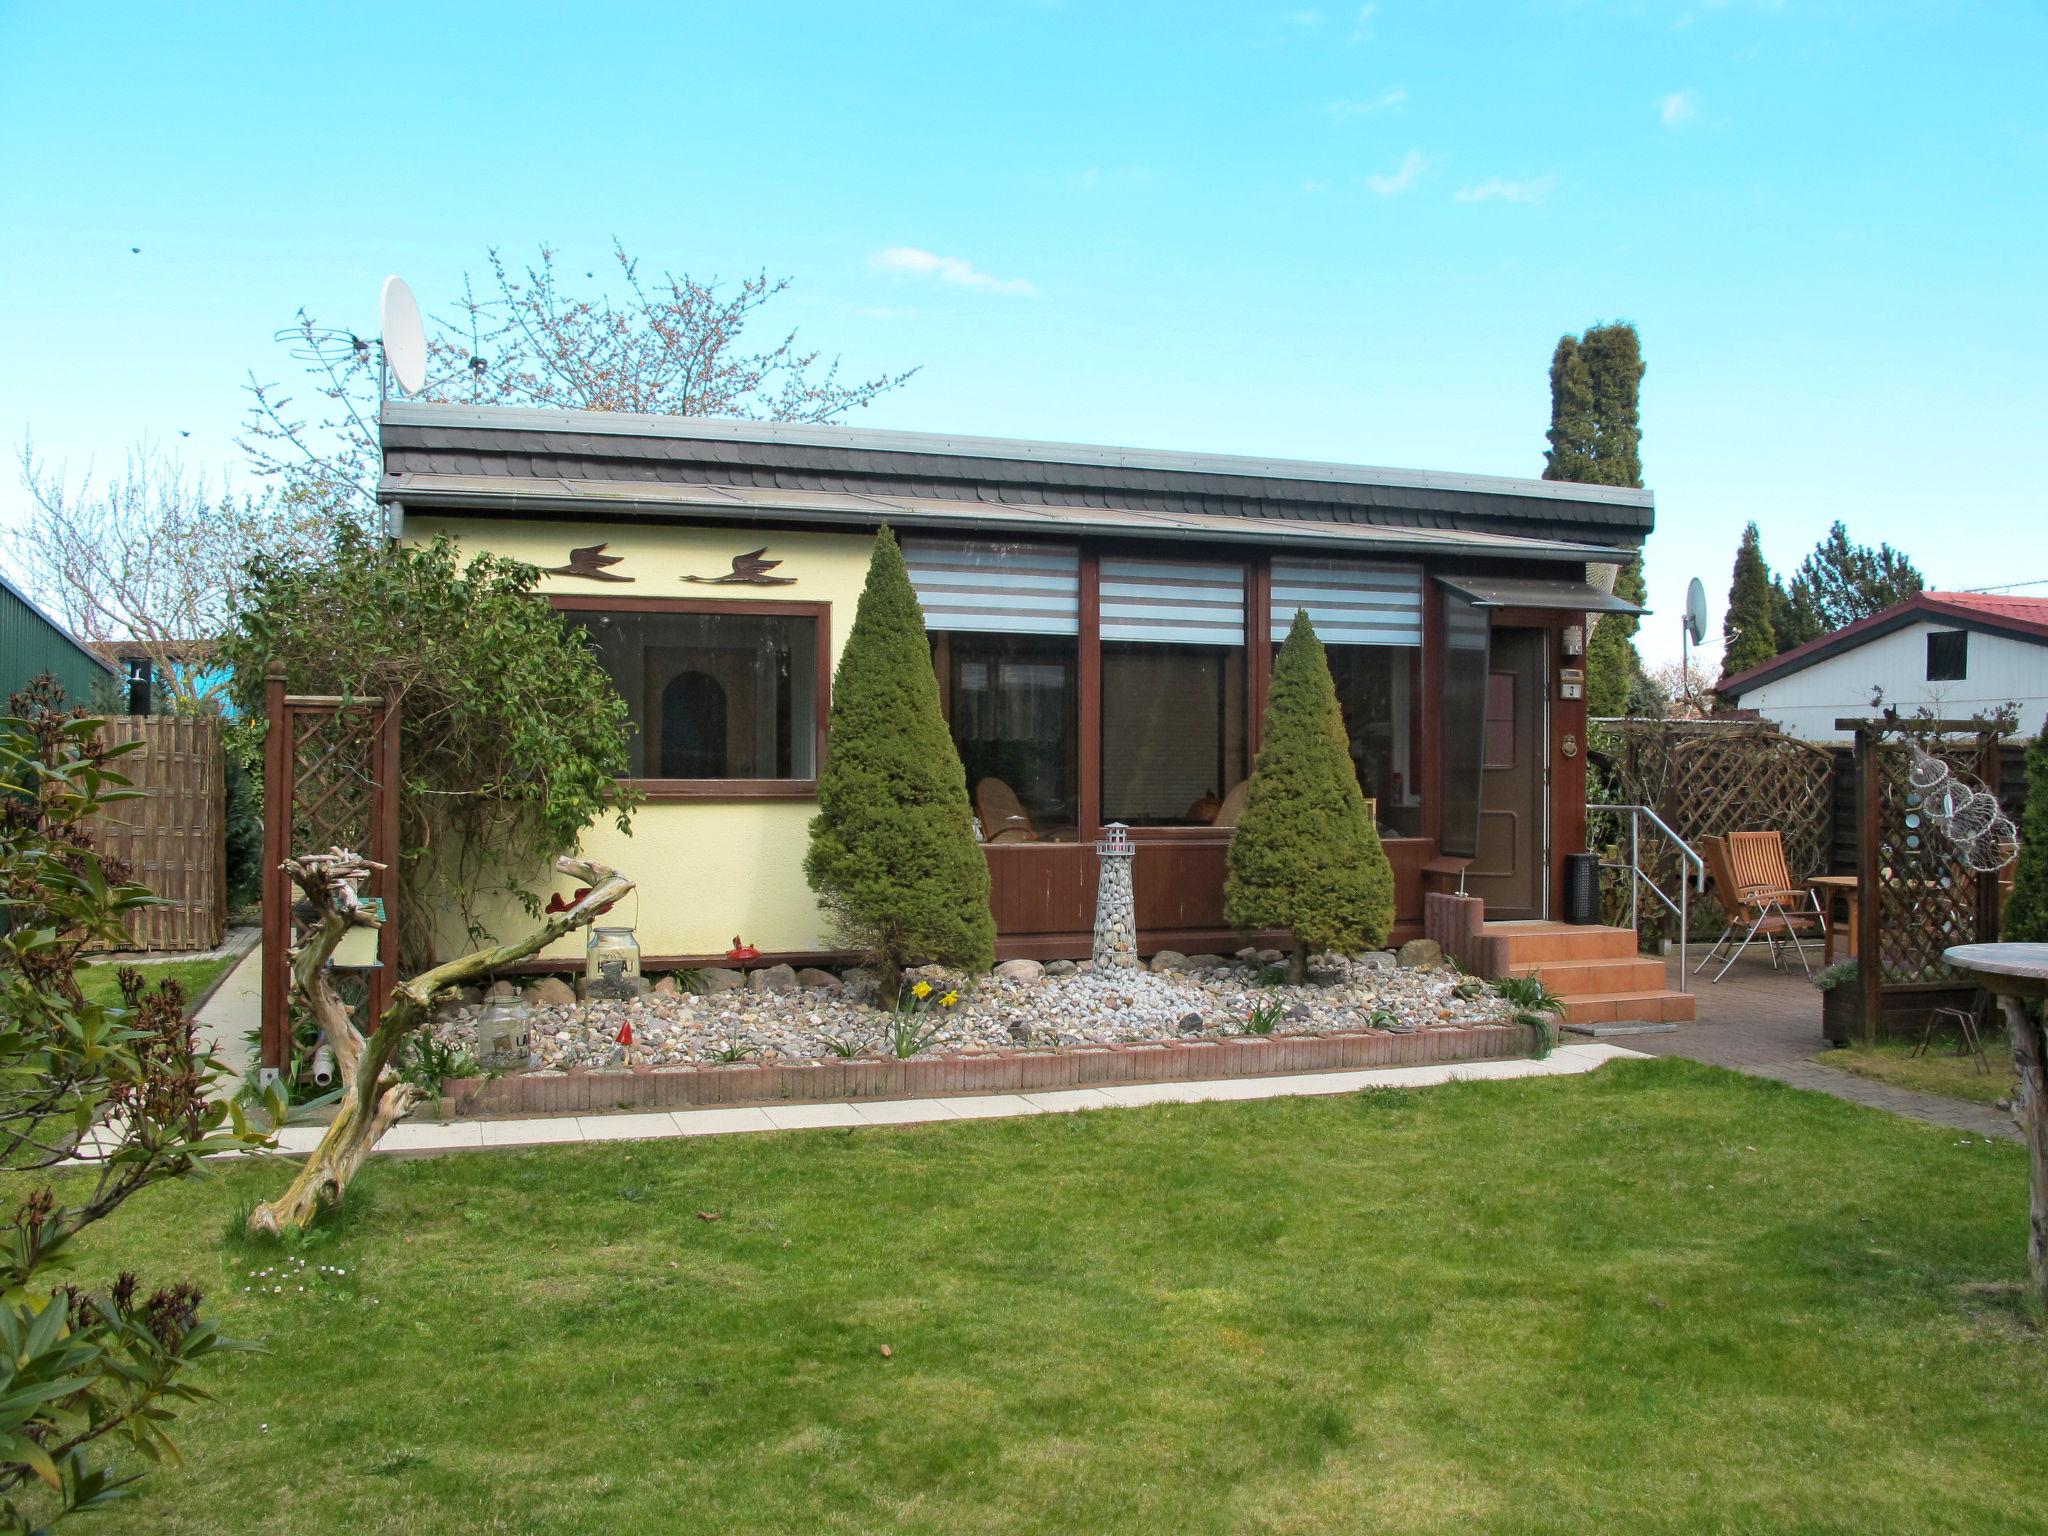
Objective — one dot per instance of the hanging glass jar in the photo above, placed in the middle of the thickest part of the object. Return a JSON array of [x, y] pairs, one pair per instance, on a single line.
[[611, 964]]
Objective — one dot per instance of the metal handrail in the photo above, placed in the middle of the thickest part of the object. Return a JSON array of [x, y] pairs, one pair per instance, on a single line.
[[1638, 877]]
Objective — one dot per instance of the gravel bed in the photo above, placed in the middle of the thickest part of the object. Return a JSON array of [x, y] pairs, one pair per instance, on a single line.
[[1020, 1004]]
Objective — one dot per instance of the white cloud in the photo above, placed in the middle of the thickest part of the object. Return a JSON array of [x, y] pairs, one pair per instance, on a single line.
[[1386, 101], [1678, 109], [1361, 29], [1403, 176], [947, 269], [1313, 187], [1498, 189]]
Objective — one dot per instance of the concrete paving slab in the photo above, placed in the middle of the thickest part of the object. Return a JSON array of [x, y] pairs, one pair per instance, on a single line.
[[991, 1106], [721, 1122], [903, 1112], [530, 1133], [651, 1127], [811, 1117], [1063, 1100]]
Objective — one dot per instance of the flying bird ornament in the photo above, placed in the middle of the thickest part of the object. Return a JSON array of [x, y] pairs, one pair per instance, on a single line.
[[748, 570], [591, 563]]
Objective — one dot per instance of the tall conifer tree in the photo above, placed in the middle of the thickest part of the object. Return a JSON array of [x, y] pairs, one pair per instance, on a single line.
[[893, 856], [1748, 630], [1596, 438]]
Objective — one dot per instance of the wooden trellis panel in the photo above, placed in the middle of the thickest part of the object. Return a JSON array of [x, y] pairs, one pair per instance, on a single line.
[[174, 839], [330, 780], [1708, 781], [1928, 896]]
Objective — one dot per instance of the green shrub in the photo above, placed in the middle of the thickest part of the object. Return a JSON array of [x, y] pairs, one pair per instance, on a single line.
[[2026, 914], [893, 856], [1305, 856]]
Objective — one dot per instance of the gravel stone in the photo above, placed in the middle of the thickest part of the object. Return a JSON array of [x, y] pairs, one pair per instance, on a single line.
[[1420, 952], [1061, 1008], [772, 978], [1020, 970]]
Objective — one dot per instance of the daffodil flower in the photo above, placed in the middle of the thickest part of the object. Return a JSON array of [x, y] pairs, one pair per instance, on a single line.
[[921, 991], [949, 999]]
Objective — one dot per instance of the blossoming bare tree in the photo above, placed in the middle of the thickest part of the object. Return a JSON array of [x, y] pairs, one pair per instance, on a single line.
[[669, 345]]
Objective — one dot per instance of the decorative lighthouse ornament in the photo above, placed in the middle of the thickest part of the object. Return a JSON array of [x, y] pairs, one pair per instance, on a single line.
[[1116, 914]]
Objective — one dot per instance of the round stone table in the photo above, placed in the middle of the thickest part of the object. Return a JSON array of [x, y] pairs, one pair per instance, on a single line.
[[2016, 973]]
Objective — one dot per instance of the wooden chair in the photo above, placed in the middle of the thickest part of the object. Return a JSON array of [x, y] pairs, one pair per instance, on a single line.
[[1760, 898], [1233, 804], [1003, 817]]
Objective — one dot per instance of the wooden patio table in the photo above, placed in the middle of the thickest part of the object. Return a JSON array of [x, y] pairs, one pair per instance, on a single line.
[[2017, 974], [1849, 888]]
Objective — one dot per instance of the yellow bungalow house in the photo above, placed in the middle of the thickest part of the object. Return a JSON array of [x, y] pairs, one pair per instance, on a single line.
[[1103, 622]]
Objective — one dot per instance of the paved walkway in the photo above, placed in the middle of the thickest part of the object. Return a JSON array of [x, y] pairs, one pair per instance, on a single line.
[[463, 1135], [1767, 1024], [235, 1008]]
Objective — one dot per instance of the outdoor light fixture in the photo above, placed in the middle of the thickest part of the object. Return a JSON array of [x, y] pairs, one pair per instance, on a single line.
[[358, 948], [1575, 639]]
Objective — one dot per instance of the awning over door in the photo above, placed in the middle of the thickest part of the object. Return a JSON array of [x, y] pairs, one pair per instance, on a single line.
[[1537, 592]]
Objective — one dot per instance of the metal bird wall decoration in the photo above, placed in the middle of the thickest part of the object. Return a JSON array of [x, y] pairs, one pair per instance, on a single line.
[[748, 570], [589, 563]]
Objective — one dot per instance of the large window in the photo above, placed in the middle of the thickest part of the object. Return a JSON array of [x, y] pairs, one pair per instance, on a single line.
[[1174, 710], [722, 697], [1379, 689], [1369, 617], [1005, 622], [1173, 733], [1014, 705]]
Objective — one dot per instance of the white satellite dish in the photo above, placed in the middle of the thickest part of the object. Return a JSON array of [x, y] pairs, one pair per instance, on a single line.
[[405, 337], [1696, 612]]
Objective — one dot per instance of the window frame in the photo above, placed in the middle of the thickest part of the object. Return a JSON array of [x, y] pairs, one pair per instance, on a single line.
[[1962, 639], [659, 789]]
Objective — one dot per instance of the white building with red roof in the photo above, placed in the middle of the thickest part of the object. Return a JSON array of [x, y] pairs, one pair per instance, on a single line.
[[1956, 653]]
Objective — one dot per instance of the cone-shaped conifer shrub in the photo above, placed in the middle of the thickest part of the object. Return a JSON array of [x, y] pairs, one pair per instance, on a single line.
[[893, 856], [1305, 855]]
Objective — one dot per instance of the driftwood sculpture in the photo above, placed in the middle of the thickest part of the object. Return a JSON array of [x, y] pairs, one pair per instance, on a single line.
[[373, 1097]]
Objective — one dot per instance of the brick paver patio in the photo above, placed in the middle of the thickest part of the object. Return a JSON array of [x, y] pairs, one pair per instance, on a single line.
[[1767, 1024]]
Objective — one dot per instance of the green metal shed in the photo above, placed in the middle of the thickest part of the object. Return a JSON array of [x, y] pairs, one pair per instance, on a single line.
[[32, 643]]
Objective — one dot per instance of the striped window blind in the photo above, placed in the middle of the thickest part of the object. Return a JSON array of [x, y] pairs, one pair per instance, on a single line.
[[1167, 603], [1349, 602], [991, 588]]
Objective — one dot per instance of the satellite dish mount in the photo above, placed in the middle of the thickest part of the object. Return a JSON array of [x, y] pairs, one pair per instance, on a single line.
[[404, 340], [1692, 632]]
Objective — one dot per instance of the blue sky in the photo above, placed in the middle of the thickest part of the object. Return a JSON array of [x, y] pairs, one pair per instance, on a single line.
[[1329, 231]]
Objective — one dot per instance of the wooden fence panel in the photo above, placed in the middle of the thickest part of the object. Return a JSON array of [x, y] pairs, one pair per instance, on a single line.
[[174, 839]]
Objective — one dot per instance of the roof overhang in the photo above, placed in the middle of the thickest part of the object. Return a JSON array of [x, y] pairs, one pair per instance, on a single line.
[[536, 425], [471, 495], [1538, 592]]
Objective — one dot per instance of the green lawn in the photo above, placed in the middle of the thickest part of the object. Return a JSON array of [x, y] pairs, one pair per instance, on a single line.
[[97, 981], [1661, 1298], [1941, 1070]]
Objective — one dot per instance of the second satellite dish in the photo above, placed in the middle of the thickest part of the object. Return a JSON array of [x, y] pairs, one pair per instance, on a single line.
[[1696, 612], [405, 337]]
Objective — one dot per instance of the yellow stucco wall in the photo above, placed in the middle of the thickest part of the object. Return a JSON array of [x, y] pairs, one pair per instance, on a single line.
[[707, 869]]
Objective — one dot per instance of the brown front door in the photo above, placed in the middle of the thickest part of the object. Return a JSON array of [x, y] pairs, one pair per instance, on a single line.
[[1508, 872]]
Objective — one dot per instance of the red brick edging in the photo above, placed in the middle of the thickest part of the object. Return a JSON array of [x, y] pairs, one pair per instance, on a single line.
[[581, 1089]]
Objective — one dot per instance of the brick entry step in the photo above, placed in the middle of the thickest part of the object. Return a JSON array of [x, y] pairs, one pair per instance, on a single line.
[[1599, 972]]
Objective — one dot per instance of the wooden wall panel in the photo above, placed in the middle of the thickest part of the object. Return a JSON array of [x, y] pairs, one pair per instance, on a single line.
[[174, 838]]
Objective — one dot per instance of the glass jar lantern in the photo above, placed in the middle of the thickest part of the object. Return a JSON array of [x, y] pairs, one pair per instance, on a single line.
[[611, 963], [504, 1032]]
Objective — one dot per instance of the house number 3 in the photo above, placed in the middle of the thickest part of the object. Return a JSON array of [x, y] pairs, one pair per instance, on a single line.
[[1570, 745]]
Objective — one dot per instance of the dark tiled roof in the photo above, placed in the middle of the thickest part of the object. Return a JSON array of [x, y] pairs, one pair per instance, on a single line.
[[528, 445]]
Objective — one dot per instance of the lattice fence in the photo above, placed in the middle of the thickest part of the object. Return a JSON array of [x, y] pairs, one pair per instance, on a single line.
[[173, 839], [1927, 894], [1708, 781]]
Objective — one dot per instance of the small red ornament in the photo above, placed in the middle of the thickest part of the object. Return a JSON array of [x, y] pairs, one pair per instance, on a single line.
[[626, 1033], [556, 904], [742, 950]]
